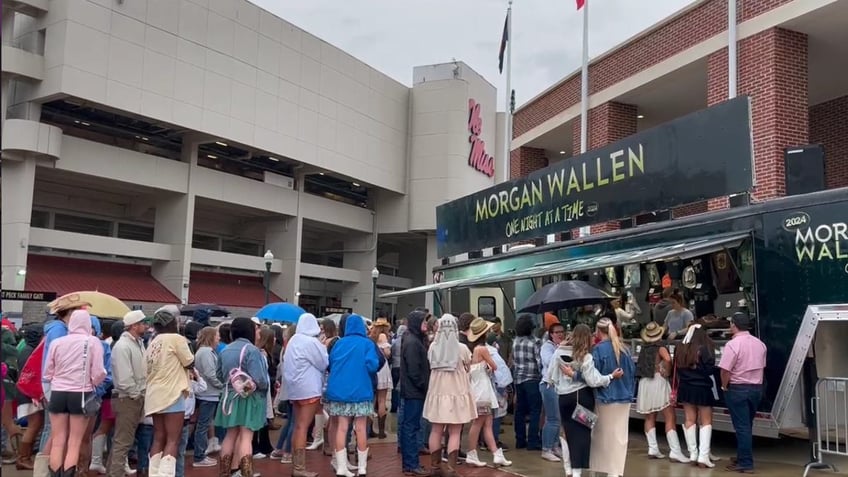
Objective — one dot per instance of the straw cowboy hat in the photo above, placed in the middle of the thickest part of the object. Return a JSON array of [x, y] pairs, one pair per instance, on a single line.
[[479, 327], [382, 322], [652, 332]]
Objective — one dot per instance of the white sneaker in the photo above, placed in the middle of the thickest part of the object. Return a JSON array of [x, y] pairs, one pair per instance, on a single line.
[[259, 456], [213, 446], [550, 456], [206, 462]]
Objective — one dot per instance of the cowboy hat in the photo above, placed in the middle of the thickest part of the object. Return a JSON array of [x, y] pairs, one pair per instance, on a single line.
[[382, 322], [478, 328], [652, 332], [70, 301]]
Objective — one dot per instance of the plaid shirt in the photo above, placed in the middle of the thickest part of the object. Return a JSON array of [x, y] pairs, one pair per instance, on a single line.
[[526, 359]]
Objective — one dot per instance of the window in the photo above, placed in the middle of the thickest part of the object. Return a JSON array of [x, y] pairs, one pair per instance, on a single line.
[[205, 242], [487, 307], [242, 247], [40, 219], [83, 225], [142, 233]]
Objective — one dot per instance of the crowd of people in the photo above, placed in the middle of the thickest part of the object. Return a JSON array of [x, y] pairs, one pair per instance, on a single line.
[[100, 402]]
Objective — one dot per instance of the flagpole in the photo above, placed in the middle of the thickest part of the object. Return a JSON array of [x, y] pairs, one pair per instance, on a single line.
[[508, 152], [731, 49], [584, 84]]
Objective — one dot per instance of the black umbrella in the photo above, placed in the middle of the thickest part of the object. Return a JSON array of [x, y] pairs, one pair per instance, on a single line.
[[564, 294], [213, 309]]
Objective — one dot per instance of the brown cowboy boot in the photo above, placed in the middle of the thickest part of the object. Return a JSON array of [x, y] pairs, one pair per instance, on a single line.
[[299, 464], [381, 423], [436, 464], [24, 461], [224, 463], [246, 466], [448, 468]]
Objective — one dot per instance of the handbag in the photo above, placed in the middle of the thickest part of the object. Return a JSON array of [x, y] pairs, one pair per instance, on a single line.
[[583, 415], [91, 402], [240, 382], [672, 398]]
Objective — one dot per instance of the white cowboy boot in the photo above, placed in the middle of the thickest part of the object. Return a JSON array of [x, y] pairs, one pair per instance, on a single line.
[[471, 459], [675, 453], [500, 460], [362, 460], [97, 445], [706, 434], [691, 436], [318, 433], [653, 446], [340, 464], [566, 457]]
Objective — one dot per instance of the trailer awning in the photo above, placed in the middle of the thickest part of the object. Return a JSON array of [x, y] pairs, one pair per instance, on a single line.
[[660, 253]]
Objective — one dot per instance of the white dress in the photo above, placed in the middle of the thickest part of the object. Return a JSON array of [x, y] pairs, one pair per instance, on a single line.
[[482, 389], [384, 375]]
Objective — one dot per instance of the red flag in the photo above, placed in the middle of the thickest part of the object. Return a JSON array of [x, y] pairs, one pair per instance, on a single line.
[[581, 4]]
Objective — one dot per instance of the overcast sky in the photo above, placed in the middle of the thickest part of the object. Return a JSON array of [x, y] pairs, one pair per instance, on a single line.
[[393, 36]]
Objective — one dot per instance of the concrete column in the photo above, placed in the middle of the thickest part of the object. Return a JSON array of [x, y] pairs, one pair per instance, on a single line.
[[17, 194], [284, 239], [362, 256], [174, 225], [432, 262], [413, 264]]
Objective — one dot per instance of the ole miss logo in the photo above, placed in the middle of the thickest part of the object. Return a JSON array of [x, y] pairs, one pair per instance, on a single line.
[[478, 158]]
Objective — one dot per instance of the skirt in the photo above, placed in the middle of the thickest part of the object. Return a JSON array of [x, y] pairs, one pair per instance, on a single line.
[[384, 378], [350, 409], [246, 412], [106, 412], [695, 395], [609, 438], [654, 394], [578, 436]]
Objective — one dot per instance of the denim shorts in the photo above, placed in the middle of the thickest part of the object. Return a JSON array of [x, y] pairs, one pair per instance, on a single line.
[[178, 406]]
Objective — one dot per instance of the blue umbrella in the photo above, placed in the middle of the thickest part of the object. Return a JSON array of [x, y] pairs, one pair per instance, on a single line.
[[281, 312]]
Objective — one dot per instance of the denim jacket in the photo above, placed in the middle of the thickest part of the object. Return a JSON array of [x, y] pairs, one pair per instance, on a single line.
[[254, 364], [620, 390]]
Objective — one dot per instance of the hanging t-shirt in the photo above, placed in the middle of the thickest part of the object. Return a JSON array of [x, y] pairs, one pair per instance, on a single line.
[[632, 276], [726, 280], [746, 263]]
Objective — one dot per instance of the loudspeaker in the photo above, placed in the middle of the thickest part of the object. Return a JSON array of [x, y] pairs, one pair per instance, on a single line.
[[804, 169]]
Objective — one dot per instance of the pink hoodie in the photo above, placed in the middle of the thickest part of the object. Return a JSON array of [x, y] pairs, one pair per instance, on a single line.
[[64, 367]]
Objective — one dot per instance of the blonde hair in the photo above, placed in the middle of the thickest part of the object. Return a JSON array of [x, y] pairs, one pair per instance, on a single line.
[[606, 327], [206, 337]]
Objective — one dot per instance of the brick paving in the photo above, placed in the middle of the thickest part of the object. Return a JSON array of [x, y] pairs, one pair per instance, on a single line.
[[384, 463]]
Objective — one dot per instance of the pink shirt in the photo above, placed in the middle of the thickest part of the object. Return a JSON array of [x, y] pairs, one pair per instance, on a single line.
[[65, 367], [744, 357]]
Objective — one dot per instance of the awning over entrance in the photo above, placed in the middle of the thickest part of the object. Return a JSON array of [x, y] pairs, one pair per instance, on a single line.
[[125, 281], [661, 252]]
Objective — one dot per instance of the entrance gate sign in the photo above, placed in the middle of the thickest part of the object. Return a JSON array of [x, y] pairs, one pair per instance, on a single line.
[[696, 157]]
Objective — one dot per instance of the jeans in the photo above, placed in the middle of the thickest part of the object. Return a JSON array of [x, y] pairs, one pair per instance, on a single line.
[[181, 450], [284, 440], [528, 402], [395, 390], [410, 428], [550, 431], [742, 401], [143, 439], [205, 414]]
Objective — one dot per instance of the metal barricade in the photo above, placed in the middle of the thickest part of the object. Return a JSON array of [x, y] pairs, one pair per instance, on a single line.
[[830, 405]]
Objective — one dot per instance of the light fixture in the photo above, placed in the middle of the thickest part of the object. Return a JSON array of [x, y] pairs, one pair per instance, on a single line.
[[640, 116], [375, 273], [22, 272], [562, 152], [320, 173], [210, 156], [144, 138], [76, 121], [269, 258], [221, 143], [85, 123], [355, 184], [273, 159], [297, 294]]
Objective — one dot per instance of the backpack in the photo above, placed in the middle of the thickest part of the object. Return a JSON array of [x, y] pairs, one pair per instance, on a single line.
[[240, 382], [29, 380]]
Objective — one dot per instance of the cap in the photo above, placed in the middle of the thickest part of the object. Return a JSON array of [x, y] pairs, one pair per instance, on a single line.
[[165, 315], [741, 321], [133, 317], [550, 320]]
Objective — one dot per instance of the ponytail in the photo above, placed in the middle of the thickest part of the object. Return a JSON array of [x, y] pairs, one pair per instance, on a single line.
[[605, 325]]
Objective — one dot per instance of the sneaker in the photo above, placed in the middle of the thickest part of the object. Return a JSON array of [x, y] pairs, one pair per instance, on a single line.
[[129, 470], [259, 455], [550, 456], [277, 454], [206, 462], [97, 468], [285, 459]]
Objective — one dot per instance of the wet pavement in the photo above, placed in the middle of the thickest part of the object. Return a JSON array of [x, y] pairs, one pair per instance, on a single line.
[[774, 458]]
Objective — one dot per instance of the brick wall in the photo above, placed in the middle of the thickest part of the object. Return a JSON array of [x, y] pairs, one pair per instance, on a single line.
[[773, 71], [525, 160], [829, 127], [689, 29]]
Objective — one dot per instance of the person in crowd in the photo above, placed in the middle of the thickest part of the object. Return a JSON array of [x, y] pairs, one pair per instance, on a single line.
[[169, 361], [414, 381], [483, 393], [241, 411], [199, 320], [196, 385], [527, 373], [678, 319], [654, 397], [503, 379], [74, 368], [262, 447], [206, 400], [380, 335], [660, 310], [223, 337], [613, 402], [32, 334], [449, 403], [350, 395], [129, 376], [283, 449], [325, 426], [8, 336], [622, 313], [503, 340], [91, 449], [395, 361], [572, 370], [694, 362], [554, 335], [742, 364], [304, 364]]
